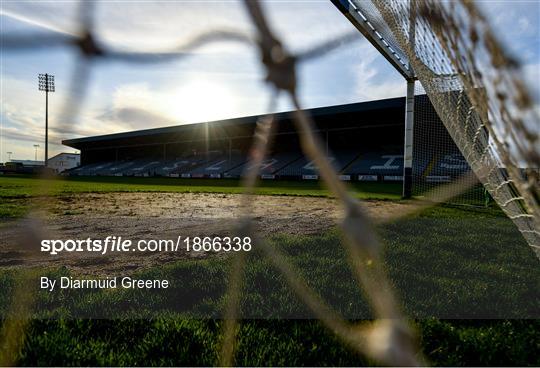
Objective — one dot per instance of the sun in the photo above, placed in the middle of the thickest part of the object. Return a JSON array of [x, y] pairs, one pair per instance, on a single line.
[[199, 101]]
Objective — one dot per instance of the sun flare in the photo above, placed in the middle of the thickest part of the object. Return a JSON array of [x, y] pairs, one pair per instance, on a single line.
[[200, 101]]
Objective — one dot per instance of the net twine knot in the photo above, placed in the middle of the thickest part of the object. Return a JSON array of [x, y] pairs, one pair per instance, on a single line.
[[280, 65]]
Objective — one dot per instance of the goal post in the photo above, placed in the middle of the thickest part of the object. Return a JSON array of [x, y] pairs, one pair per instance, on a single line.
[[363, 15], [408, 144], [476, 89]]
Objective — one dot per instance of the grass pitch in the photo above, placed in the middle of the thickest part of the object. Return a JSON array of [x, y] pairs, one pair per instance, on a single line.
[[470, 255], [24, 186], [145, 336], [165, 342]]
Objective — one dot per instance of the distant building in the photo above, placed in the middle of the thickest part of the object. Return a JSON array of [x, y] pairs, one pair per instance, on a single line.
[[32, 163], [64, 161], [22, 167]]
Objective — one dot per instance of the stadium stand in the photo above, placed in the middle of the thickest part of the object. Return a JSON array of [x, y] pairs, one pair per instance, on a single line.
[[92, 169], [366, 141], [186, 164], [445, 168], [142, 168], [117, 168], [168, 167], [307, 170], [217, 167], [269, 167], [376, 166]]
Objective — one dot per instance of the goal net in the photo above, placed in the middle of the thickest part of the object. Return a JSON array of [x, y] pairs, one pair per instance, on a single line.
[[437, 161], [477, 92]]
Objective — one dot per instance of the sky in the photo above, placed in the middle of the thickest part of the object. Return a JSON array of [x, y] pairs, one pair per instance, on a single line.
[[217, 81]]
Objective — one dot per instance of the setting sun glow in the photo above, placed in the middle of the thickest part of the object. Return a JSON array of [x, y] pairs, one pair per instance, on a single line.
[[200, 101]]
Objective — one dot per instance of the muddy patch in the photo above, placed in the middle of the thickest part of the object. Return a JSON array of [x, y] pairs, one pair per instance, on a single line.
[[163, 216]]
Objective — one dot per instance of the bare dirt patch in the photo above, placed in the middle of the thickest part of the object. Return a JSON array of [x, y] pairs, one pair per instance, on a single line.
[[164, 216]]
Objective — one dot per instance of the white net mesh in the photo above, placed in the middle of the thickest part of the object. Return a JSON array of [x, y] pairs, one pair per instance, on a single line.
[[437, 160], [478, 93]]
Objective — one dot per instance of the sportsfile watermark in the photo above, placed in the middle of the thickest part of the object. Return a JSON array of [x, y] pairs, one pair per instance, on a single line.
[[120, 244], [165, 266]]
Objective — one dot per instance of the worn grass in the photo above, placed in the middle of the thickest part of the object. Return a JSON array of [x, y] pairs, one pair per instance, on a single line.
[[16, 191], [445, 263]]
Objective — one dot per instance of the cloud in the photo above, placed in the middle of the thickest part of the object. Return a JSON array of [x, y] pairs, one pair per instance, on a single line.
[[524, 25], [516, 25], [11, 133], [43, 22], [373, 82], [137, 106], [192, 101], [135, 118], [126, 25], [531, 72], [165, 25]]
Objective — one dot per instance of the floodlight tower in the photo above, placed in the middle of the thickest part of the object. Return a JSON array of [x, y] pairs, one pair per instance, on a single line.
[[9, 153], [46, 83], [36, 146]]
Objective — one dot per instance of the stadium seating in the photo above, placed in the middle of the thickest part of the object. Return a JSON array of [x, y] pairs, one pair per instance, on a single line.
[[142, 168], [269, 166], [384, 165], [446, 168], [306, 169], [216, 168], [166, 167], [186, 166], [381, 164], [117, 168], [373, 166], [91, 169]]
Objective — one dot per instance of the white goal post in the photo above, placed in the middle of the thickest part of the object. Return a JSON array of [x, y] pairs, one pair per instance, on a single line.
[[476, 89]]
